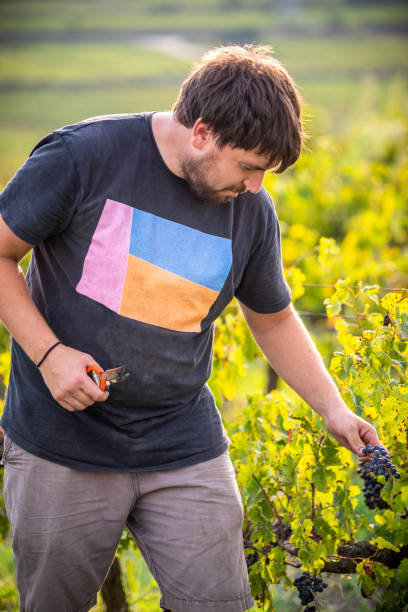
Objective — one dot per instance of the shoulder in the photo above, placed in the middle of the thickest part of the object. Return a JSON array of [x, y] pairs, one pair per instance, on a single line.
[[104, 123], [102, 131], [96, 140], [256, 207]]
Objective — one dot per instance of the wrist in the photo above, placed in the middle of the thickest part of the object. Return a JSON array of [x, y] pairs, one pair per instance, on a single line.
[[38, 345], [329, 410], [47, 352]]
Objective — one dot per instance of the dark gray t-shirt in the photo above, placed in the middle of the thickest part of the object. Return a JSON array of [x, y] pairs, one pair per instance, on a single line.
[[132, 268]]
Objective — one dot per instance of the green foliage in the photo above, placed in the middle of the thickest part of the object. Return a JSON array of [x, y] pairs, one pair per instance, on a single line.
[[371, 370], [233, 351], [343, 214], [290, 470], [395, 598], [9, 599], [140, 587]]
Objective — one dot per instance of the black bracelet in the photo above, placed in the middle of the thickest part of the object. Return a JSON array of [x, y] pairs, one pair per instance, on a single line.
[[48, 352]]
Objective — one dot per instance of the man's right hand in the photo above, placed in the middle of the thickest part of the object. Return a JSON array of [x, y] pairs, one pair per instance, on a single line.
[[64, 369], [64, 373]]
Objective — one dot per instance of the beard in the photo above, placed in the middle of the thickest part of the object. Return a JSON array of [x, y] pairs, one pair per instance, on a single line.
[[195, 174]]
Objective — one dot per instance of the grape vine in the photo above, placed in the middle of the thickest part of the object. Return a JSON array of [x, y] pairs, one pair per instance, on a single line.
[[303, 500]]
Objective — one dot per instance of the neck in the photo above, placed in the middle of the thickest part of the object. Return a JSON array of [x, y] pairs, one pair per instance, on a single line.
[[171, 139]]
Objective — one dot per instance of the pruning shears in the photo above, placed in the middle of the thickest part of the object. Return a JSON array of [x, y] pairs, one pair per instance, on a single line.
[[104, 378]]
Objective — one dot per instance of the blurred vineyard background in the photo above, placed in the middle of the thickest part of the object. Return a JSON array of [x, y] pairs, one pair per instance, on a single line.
[[343, 207]]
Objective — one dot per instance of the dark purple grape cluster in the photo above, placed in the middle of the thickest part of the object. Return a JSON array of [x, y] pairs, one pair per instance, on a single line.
[[372, 491], [379, 462], [287, 532], [307, 585]]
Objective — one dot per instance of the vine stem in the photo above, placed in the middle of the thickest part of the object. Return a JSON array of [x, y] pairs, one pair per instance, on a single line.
[[282, 490], [353, 559], [272, 505], [313, 503], [259, 550], [297, 565]]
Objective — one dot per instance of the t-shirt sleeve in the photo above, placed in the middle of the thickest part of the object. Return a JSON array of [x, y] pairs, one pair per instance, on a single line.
[[40, 199], [263, 287]]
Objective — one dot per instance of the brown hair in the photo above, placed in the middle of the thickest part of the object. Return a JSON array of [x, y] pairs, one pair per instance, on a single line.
[[248, 100]]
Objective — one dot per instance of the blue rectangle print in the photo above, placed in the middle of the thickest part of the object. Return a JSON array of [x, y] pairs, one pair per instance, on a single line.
[[201, 258]]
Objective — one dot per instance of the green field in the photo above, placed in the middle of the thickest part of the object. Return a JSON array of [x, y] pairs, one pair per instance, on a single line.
[[199, 15], [63, 61], [45, 85], [308, 59]]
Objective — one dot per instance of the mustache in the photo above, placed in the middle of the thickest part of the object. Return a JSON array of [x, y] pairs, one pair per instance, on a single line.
[[236, 189]]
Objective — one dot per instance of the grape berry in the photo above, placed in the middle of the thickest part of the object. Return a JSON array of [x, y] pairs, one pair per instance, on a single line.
[[307, 585]]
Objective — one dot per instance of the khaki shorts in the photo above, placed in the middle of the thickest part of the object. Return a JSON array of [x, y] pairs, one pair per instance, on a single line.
[[67, 524]]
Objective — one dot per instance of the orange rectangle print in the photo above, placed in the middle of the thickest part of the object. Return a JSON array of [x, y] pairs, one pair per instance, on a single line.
[[158, 297]]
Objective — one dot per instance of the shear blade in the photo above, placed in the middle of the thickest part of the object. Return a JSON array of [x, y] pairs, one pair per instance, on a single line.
[[117, 374]]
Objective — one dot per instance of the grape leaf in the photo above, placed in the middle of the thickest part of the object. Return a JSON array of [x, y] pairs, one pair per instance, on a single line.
[[381, 543]]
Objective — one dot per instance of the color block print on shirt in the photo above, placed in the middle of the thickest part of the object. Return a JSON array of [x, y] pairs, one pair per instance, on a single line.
[[154, 270]]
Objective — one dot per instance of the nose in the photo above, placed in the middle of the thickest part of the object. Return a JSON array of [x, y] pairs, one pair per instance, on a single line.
[[254, 182]]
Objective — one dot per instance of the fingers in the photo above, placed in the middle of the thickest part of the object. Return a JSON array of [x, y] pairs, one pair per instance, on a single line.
[[367, 435], [73, 396], [73, 404], [90, 391], [81, 399]]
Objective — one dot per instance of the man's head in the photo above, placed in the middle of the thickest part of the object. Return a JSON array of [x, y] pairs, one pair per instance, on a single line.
[[247, 100]]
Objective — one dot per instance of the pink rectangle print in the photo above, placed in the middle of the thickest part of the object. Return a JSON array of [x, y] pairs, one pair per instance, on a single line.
[[105, 264]]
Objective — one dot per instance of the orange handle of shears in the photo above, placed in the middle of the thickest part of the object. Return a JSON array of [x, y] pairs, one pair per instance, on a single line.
[[99, 376]]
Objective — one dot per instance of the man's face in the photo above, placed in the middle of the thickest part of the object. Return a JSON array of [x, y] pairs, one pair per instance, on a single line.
[[217, 175]]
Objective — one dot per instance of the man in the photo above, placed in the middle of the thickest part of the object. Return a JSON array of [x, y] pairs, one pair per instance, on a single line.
[[144, 227]]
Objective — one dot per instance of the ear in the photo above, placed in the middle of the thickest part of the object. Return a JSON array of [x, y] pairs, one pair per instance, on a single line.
[[201, 135]]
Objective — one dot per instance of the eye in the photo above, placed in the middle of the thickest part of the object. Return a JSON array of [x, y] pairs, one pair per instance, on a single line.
[[247, 168]]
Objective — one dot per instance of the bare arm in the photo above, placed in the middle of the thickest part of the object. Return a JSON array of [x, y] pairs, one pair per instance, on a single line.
[[64, 370], [287, 345]]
